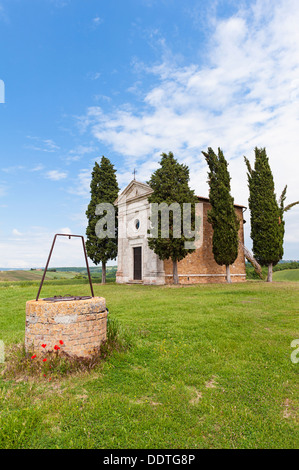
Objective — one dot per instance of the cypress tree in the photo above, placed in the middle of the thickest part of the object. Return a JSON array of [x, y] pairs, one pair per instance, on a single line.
[[222, 216], [170, 184], [104, 189], [267, 222], [267, 228]]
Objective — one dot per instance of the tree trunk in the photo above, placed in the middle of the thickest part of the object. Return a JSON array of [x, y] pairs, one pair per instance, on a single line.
[[228, 278], [103, 272], [249, 256], [175, 271], [270, 270]]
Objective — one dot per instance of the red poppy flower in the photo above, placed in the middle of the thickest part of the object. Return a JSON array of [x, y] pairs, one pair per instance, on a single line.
[[44, 345], [44, 360], [56, 347], [34, 356], [60, 341]]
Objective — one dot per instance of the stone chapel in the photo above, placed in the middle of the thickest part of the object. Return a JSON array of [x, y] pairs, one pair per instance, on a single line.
[[137, 263]]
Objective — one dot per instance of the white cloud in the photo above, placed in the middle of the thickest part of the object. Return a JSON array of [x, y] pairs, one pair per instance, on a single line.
[[38, 167], [66, 231], [56, 175], [246, 94], [79, 217], [31, 249], [42, 145], [94, 75], [97, 20], [3, 14], [3, 189], [16, 233], [78, 152], [50, 144], [81, 185], [292, 227], [13, 169], [99, 97]]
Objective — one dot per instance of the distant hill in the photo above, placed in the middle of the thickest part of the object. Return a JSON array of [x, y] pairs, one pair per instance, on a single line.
[[56, 273], [72, 268], [92, 269], [286, 275], [33, 275], [20, 276]]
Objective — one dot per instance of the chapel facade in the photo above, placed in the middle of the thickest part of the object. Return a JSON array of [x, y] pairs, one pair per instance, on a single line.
[[137, 263]]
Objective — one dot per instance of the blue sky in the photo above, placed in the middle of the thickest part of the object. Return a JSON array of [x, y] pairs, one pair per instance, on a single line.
[[129, 80]]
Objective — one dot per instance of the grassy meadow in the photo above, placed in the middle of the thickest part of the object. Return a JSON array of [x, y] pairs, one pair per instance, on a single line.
[[208, 367], [7, 276], [287, 275]]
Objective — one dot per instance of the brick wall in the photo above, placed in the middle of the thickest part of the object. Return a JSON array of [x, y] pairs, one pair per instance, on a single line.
[[202, 261]]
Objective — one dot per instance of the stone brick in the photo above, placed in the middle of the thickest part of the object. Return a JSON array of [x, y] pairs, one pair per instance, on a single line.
[[200, 266], [81, 325]]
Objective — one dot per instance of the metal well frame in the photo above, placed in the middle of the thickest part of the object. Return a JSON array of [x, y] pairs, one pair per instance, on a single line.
[[49, 257]]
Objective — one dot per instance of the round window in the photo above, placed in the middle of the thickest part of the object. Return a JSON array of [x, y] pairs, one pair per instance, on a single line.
[[137, 224]]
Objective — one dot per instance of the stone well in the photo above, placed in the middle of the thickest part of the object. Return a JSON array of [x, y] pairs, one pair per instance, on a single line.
[[80, 324]]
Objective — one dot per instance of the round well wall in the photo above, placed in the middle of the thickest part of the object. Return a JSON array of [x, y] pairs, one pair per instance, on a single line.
[[80, 324]]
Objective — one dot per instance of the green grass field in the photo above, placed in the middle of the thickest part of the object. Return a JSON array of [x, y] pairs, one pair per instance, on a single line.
[[21, 275], [10, 276], [59, 273], [286, 275], [209, 367]]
